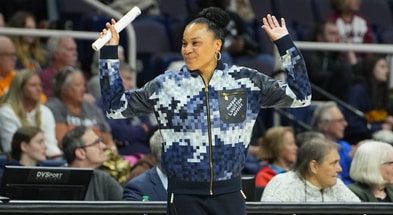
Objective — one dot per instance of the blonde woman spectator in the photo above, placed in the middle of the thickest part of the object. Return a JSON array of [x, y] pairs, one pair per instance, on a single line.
[[31, 55], [372, 171], [278, 150], [21, 106]]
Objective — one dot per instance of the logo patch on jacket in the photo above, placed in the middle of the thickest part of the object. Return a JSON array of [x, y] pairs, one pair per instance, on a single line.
[[233, 105]]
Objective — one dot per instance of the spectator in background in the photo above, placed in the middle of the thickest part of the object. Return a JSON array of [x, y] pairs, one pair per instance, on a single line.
[[28, 146], [153, 182], [62, 52], [330, 70], [7, 63], [369, 93], [314, 177], [278, 150], [31, 55], [352, 26], [84, 149], [372, 171], [70, 109], [329, 120], [243, 9], [383, 136], [21, 106]]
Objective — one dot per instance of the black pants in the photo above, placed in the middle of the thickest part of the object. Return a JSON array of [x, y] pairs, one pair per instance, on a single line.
[[224, 204]]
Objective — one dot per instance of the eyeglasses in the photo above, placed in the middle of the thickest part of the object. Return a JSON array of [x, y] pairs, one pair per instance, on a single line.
[[340, 120], [8, 54], [96, 142]]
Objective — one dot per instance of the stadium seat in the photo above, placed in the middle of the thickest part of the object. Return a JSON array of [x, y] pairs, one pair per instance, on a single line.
[[152, 38], [322, 9], [261, 8], [378, 15], [297, 14], [174, 10]]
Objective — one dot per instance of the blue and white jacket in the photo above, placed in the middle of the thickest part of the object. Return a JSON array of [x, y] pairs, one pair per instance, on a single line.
[[206, 127]]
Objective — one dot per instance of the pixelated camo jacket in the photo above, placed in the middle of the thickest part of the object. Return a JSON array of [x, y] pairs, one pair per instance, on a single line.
[[206, 128]]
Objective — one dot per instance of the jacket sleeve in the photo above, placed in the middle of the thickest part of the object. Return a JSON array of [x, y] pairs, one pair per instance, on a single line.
[[116, 100], [132, 192], [296, 91]]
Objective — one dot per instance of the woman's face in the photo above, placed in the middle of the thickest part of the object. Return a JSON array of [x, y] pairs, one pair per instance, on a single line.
[[199, 47], [353, 5], [325, 173], [33, 89], [387, 171], [76, 89], [30, 24], [290, 149], [36, 148], [381, 70]]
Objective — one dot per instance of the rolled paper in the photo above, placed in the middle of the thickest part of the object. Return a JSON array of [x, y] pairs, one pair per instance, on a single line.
[[119, 26]]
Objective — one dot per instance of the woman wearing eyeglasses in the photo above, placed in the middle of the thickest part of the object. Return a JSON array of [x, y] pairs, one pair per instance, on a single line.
[[372, 171]]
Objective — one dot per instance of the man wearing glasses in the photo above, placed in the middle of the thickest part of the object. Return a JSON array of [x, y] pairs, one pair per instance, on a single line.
[[84, 149], [329, 120]]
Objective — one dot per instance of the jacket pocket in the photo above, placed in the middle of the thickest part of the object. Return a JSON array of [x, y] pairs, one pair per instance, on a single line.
[[233, 105]]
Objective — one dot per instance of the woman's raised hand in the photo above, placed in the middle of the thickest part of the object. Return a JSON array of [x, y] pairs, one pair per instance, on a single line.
[[273, 28], [114, 41]]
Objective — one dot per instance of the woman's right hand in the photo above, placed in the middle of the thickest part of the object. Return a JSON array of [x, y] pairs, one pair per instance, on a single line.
[[114, 41]]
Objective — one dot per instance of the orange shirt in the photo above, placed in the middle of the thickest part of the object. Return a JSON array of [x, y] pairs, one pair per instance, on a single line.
[[5, 82]]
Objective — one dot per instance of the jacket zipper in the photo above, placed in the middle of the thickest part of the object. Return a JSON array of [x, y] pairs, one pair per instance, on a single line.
[[210, 137], [225, 95]]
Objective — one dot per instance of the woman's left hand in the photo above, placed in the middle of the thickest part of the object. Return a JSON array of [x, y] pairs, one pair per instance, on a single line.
[[273, 28]]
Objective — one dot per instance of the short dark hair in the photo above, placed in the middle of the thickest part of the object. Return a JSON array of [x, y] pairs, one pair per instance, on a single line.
[[71, 141], [63, 79]]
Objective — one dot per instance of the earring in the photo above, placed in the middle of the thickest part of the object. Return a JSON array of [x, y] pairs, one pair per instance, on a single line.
[[218, 55]]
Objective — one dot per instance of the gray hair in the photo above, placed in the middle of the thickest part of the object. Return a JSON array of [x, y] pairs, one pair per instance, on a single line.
[[367, 161], [155, 146], [63, 80], [383, 136], [314, 149], [321, 114], [305, 136], [53, 44]]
